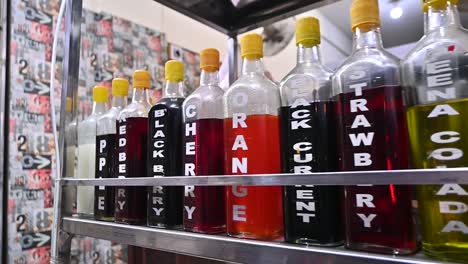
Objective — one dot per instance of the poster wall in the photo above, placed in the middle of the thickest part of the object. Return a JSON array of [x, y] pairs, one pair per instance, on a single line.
[[110, 47]]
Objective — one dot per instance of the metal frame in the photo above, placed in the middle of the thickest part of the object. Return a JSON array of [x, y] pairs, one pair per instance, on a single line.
[[400, 177], [4, 114], [61, 241], [228, 249], [209, 246]]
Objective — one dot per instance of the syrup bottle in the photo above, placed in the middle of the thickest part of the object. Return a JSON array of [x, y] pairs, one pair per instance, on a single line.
[[312, 215], [251, 133], [130, 160], [204, 207], [436, 79], [71, 141], [372, 135], [106, 150], [165, 150], [87, 151]]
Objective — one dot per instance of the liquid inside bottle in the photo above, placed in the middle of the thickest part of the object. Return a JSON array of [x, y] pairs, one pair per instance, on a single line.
[[312, 214], [165, 151], [104, 202], [251, 128], [87, 152], [372, 135], [130, 161], [204, 206], [435, 76]]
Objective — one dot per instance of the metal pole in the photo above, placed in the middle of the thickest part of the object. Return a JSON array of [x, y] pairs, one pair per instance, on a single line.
[[4, 81], [233, 58], [61, 241]]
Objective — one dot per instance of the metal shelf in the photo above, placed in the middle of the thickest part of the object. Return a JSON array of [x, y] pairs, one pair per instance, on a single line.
[[234, 17], [400, 177], [225, 248]]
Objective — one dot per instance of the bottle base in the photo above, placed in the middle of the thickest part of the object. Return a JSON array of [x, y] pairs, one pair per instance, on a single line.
[[104, 218], [275, 236], [205, 230], [165, 226], [130, 222], [86, 215], [450, 252], [312, 242], [381, 249]]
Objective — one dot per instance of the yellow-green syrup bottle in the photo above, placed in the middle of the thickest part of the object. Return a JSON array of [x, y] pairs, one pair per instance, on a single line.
[[435, 75]]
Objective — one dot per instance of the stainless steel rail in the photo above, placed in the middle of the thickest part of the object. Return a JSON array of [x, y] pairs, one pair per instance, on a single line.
[[400, 177], [225, 248]]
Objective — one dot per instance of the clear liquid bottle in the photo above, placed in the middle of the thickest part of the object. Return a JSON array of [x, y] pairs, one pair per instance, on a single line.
[[71, 143], [130, 161], [372, 135], [165, 150], [251, 133], [312, 215], [106, 149], [87, 151], [204, 207], [436, 81]]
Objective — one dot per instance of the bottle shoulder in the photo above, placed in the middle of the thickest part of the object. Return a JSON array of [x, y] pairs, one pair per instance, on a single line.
[[368, 60], [252, 82], [437, 42], [172, 102], [135, 110]]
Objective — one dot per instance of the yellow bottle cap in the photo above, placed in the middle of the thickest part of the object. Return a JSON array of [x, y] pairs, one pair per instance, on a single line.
[[209, 60], [174, 71], [69, 106], [308, 32], [252, 46], [100, 94], [141, 79], [437, 4], [119, 87], [365, 14]]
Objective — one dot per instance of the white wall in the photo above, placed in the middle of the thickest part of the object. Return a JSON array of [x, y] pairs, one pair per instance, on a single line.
[[195, 36]]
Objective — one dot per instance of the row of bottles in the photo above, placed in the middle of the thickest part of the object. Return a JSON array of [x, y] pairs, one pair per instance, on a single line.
[[356, 119]]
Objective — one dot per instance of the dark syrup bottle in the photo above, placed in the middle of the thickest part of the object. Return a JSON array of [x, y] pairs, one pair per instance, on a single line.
[[312, 214], [130, 160], [372, 135], [165, 150], [204, 206], [106, 139]]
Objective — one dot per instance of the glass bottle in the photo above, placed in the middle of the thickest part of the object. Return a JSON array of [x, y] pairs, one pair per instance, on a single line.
[[251, 133], [204, 207], [106, 149], [436, 81], [165, 150], [71, 142], [87, 151], [312, 215], [372, 135], [130, 161]]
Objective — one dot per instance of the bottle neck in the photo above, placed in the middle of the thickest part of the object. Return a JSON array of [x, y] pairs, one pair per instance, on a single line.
[[308, 55], [119, 101], [252, 66], [173, 90], [209, 78], [99, 108], [439, 18], [368, 37], [140, 96]]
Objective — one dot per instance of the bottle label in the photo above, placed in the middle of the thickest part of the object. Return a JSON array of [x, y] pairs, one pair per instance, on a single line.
[[105, 149], [372, 119], [190, 133], [445, 134], [157, 142], [121, 206]]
